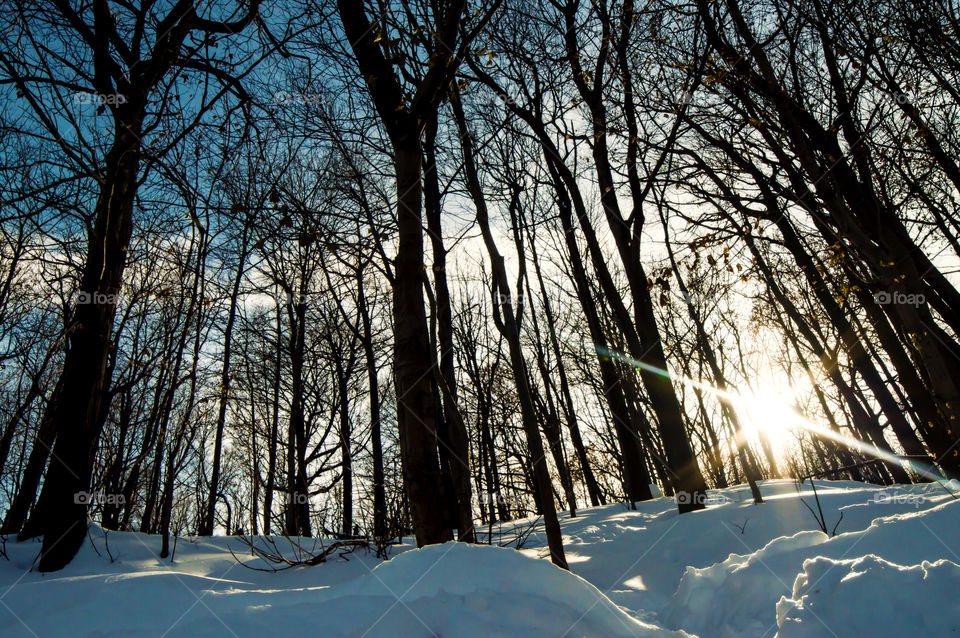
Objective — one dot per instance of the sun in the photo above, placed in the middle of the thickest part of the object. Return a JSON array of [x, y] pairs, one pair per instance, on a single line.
[[770, 413]]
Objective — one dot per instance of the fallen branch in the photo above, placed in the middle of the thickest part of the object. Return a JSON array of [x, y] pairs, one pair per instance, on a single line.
[[522, 535], [270, 553]]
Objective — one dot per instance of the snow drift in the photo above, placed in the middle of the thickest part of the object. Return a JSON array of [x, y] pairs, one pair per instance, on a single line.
[[734, 569], [467, 591], [870, 596]]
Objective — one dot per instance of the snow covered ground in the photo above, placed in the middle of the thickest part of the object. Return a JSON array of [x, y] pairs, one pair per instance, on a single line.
[[734, 569]]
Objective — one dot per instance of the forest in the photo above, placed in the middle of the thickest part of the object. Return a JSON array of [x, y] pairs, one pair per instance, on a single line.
[[375, 270]]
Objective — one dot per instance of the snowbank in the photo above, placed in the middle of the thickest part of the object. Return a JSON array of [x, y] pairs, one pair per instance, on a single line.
[[869, 596], [733, 569], [441, 590], [733, 597], [737, 596], [471, 591]]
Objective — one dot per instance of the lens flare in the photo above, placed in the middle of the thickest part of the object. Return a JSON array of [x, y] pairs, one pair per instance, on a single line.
[[775, 414]]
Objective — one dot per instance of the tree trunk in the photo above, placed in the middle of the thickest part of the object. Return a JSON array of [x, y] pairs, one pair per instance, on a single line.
[[456, 429], [273, 442], [206, 527], [416, 406], [376, 443], [14, 521], [570, 414], [346, 458], [61, 510], [298, 505], [506, 322]]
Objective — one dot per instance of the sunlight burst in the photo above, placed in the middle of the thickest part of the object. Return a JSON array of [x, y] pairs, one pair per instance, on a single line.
[[768, 412]]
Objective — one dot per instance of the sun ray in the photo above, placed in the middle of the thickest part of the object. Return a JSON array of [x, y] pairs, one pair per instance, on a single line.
[[788, 418]]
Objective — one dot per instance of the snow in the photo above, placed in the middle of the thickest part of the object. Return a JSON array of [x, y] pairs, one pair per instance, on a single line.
[[460, 590], [899, 600], [734, 597], [734, 569]]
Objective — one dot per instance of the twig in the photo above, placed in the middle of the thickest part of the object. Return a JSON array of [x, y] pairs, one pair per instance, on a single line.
[[521, 538], [272, 554], [834, 532], [106, 545], [92, 544]]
